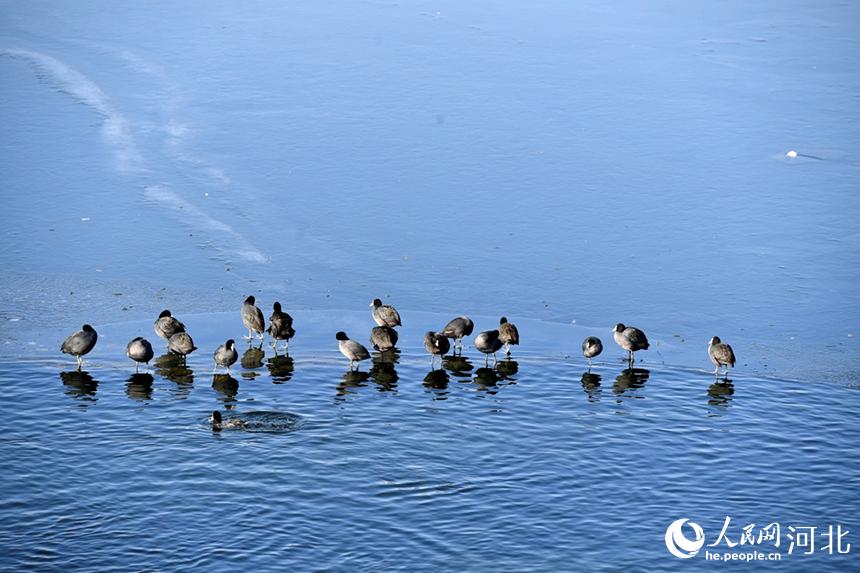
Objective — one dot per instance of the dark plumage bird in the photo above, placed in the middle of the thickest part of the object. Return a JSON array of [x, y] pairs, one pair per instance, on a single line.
[[721, 354], [591, 347], [384, 314], [508, 334], [351, 349], [281, 326], [167, 325], [226, 355], [80, 343], [383, 338], [436, 344], [630, 339], [219, 423], [139, 350], [252, 318], [488, 342], [181, 343], [458, 328]]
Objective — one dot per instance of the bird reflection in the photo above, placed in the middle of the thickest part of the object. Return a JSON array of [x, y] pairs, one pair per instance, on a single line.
[[591, 385], [721, 394], [281, 368], [507, 369], [351, 379], [251, 360], [458, 366], [225, 385], [174, 368], [437, 380], [391, 356], [139, 386], [385, 376], [79, 384], [487, 379], [630, 379]]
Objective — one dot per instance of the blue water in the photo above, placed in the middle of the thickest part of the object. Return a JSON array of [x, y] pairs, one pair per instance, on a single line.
[[568, 165]]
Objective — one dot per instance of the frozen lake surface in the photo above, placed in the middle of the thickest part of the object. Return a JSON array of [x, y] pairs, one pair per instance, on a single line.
[[567, 166]]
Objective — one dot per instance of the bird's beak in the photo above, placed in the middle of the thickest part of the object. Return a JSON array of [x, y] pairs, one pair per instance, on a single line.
[[371, 304]]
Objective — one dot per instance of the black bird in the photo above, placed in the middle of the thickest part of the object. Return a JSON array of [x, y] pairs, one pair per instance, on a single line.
[[458, 328], [630, 339], [139, 350], [252, 318], [721, 354], [508, 334], [488, 342], [167, 325], [383, 338], [591, 347], [436, 344], [226, 355], [281, 327], [80, 343], [385, 314]]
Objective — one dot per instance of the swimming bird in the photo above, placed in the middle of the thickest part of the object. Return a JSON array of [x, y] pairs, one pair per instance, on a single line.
[[721, 354], [80, 343], [226, 355], [252, 318], [139, 350], [166, 325], [281, 327], [436, 344], [457, 329], [385, 314], [218, 423], [181, 343], [383, 338], [630, 339], [488, 342], [351, 349], [591, 347], [508, 334]]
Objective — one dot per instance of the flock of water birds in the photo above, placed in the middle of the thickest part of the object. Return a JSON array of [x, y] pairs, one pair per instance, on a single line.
[[383, 338]]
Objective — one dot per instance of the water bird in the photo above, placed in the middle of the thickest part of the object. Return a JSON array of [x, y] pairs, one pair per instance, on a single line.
[[80, 343], [166, 325], [383, 338], [218, 422], [385, 314], [436, 344], [591, 347], [181, 343], [488, 342], [281, 327], [351, 349], [252, 318], [139, 350], [508, 334], [226, 355], [630, 339], [721, 354], [457, 328]]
